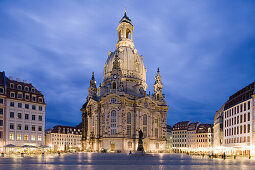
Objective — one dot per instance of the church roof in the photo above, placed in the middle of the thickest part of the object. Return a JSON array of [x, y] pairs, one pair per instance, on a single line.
[[126, 19]]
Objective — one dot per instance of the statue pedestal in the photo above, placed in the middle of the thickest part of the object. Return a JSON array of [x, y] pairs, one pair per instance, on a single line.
[[140, 153]]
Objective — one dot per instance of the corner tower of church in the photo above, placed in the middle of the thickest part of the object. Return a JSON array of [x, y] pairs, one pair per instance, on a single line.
[[119, 108]]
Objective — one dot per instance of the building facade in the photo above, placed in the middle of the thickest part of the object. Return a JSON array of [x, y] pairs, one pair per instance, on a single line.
[[64, 138], [116, 110], [204, 137], [238, 122], [23, 113], [180, 130], [218, 128], [191, 135], [2, 110]]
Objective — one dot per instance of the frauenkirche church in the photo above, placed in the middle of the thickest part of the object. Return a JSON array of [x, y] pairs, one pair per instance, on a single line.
[[116, 110]]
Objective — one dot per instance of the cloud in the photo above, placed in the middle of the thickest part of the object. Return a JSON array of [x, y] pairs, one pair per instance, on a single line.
[[205, 50]]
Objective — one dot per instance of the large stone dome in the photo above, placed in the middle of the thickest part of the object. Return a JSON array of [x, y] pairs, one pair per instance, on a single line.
[[131, 64]]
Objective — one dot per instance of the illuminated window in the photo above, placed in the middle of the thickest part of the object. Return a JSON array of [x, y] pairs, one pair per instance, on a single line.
[[25, 137], [33, 137], [11, 136], [39, 138], [18, 136], [129, 144], [19, 116]]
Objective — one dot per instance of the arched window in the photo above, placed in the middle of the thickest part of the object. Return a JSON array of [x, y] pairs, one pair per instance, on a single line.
[[113, 122], [113, 116], [114, 85], [144, 125], [120, 36], [157, 96], [19, 87], [144, 119], [128, 118], [128, 33]]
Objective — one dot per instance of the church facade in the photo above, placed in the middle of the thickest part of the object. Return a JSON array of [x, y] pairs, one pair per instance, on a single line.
[[115, 111]]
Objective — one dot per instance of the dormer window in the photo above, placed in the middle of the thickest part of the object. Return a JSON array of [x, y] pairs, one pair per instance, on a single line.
[[33, 90], [26, 89], [12, 86], [27, 96], [12, 94], [20, 95], [34, 98], [40, 100], [19, 87]]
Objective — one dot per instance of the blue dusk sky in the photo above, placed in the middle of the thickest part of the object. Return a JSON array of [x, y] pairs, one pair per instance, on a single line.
[[205, 50]]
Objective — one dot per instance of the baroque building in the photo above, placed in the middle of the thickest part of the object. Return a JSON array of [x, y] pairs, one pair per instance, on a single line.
[[22, 113], [115, 111]]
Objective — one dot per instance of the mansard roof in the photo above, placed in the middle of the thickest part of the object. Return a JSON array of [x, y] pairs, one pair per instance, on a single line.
[[193, 126], [204, 128], [240, 96], [183, 125], [65, 130]]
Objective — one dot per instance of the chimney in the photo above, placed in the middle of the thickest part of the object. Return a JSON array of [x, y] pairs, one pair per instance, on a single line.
[[18, 79], [11, 78], [25, 81]]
